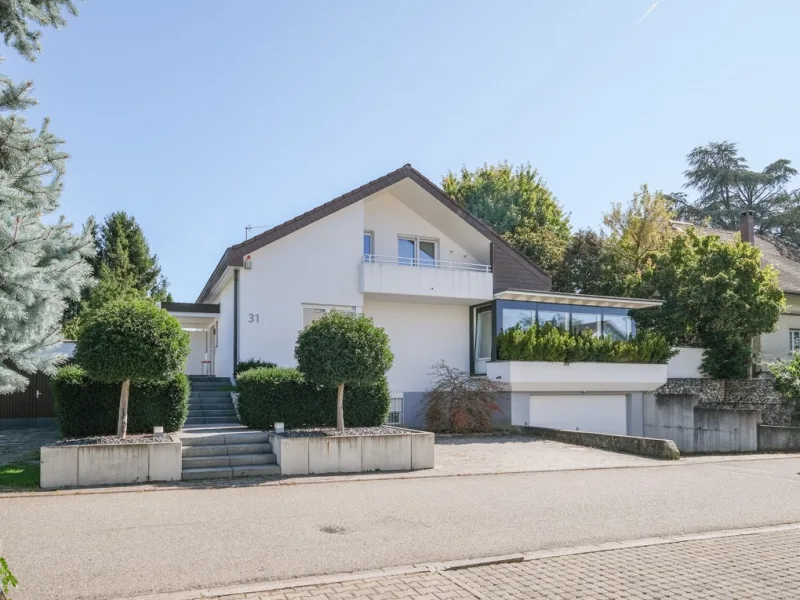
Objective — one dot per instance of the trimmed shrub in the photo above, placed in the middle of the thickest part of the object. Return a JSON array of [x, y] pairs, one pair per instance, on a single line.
[[553, 344], [131, 340], [343, 349], [270, 395], [252, 363], [85, 407]]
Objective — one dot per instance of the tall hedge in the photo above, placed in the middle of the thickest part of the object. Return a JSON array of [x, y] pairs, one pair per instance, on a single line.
[[85, 407], [267, 396]]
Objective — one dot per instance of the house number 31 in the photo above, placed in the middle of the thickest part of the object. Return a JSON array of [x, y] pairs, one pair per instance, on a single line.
[[252, 318]]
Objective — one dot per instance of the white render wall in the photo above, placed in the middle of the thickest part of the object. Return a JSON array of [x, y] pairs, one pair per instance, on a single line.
[[197, 352], [686, 364], [389, 218], [318, 264], [775, 345], [223, 353], [421, 335]]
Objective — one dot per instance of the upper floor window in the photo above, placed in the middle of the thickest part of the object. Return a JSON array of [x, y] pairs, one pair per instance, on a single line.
[[794, 340], [369, 246], [417, 251]]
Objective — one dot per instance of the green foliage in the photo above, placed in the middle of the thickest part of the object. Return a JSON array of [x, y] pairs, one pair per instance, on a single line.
[[590, 266], [124, 268], [640, 227], [787, 376], [726, 186], [343, 348], [517, 204], [459, 403], [270, 395], [85, 407], [42, 260], [552, 344], [23, 475], [716, 296], [7, 579], [252, 363], [133, 340]]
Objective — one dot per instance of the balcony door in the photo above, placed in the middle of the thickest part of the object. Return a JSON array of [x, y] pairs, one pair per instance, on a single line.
[[416, 251], [482, 352]]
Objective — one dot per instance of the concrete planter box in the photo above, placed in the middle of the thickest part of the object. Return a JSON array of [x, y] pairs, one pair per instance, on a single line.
[[405, 450], [535, 376], [106, 464]]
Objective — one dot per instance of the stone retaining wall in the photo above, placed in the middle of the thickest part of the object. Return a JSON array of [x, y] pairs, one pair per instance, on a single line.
[[778, 439], [654, 448], [741, 394]]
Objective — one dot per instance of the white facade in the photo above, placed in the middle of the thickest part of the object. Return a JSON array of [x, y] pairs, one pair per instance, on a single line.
[[596, 413], [421, 335], [686, 364], [786, 337]]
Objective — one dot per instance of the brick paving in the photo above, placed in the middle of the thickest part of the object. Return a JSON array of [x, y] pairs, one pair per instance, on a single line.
[[764, 566]]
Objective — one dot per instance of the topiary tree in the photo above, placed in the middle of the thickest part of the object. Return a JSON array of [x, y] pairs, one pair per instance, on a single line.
[[131, 340], [343, 348]]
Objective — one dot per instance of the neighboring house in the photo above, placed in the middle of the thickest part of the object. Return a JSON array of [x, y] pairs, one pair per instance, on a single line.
[[440, 282], [785, 257]]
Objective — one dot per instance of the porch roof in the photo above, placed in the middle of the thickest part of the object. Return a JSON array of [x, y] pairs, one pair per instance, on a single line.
[[576, 299], [192, 315]]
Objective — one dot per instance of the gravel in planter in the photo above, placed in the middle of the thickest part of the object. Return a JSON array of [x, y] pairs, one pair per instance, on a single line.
[[143, 438], [333, 432]]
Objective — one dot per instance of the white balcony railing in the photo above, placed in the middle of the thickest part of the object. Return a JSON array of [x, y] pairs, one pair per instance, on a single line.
[[427, 262]]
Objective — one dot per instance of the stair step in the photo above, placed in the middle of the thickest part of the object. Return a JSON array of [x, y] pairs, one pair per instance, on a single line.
[[231, 472], [210, 402], [212, 412], [211, 421], [234, 438], [227, 450], [238, 460], [209, 394]]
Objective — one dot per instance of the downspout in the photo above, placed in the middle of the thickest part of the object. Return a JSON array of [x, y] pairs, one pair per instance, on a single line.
[[235, 319]]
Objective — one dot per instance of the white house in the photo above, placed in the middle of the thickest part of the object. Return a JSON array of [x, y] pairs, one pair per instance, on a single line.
[[440, 282]]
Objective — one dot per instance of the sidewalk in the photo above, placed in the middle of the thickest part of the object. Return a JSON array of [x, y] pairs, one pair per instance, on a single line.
[[760, 563]]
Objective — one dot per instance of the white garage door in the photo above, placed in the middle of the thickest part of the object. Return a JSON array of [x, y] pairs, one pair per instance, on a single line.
[[586, 412]]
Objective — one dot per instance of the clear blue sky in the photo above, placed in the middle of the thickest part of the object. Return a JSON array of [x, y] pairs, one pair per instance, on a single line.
[[200, 117]]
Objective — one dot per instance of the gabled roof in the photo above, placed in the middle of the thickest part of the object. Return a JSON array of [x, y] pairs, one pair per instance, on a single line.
[[784, 256], [234, 256]]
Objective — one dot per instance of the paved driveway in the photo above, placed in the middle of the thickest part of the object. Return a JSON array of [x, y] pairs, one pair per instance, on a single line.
[[458, 455]]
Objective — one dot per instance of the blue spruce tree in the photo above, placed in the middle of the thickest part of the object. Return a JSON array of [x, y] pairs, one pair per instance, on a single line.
[[43, 265]]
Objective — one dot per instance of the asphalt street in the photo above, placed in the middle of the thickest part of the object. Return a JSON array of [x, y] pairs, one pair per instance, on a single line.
[[111, 545]]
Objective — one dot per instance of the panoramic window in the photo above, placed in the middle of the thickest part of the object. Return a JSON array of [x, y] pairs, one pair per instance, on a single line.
[[586, 321], [557, 318], [618, 327], [515, 316]]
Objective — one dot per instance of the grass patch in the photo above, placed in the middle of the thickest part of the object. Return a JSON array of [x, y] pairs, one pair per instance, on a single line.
[[19, 476]]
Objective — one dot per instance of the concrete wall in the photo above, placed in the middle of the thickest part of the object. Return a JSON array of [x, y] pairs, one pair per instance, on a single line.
[[699, 429], [778, 439], [685, 364], [318, 264], [420, 335], [654, 448], [403, 451], [107, 464], [775, 345], [600, 413]]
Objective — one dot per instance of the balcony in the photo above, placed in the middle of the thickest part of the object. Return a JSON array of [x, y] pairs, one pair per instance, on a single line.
[[423, 278]]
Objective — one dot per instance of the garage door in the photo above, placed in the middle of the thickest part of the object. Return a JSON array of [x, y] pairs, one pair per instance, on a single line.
[[584, 412]]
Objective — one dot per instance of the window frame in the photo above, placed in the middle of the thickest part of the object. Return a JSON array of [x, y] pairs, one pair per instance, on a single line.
[[794, 341], [371, 235], [416, 239]]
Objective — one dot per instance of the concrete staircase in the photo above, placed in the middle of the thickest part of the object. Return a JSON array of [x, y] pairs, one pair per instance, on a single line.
[[215, 445], [210, 401]]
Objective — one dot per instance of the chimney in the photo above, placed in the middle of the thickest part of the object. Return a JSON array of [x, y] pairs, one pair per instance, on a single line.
[[747, 226]]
